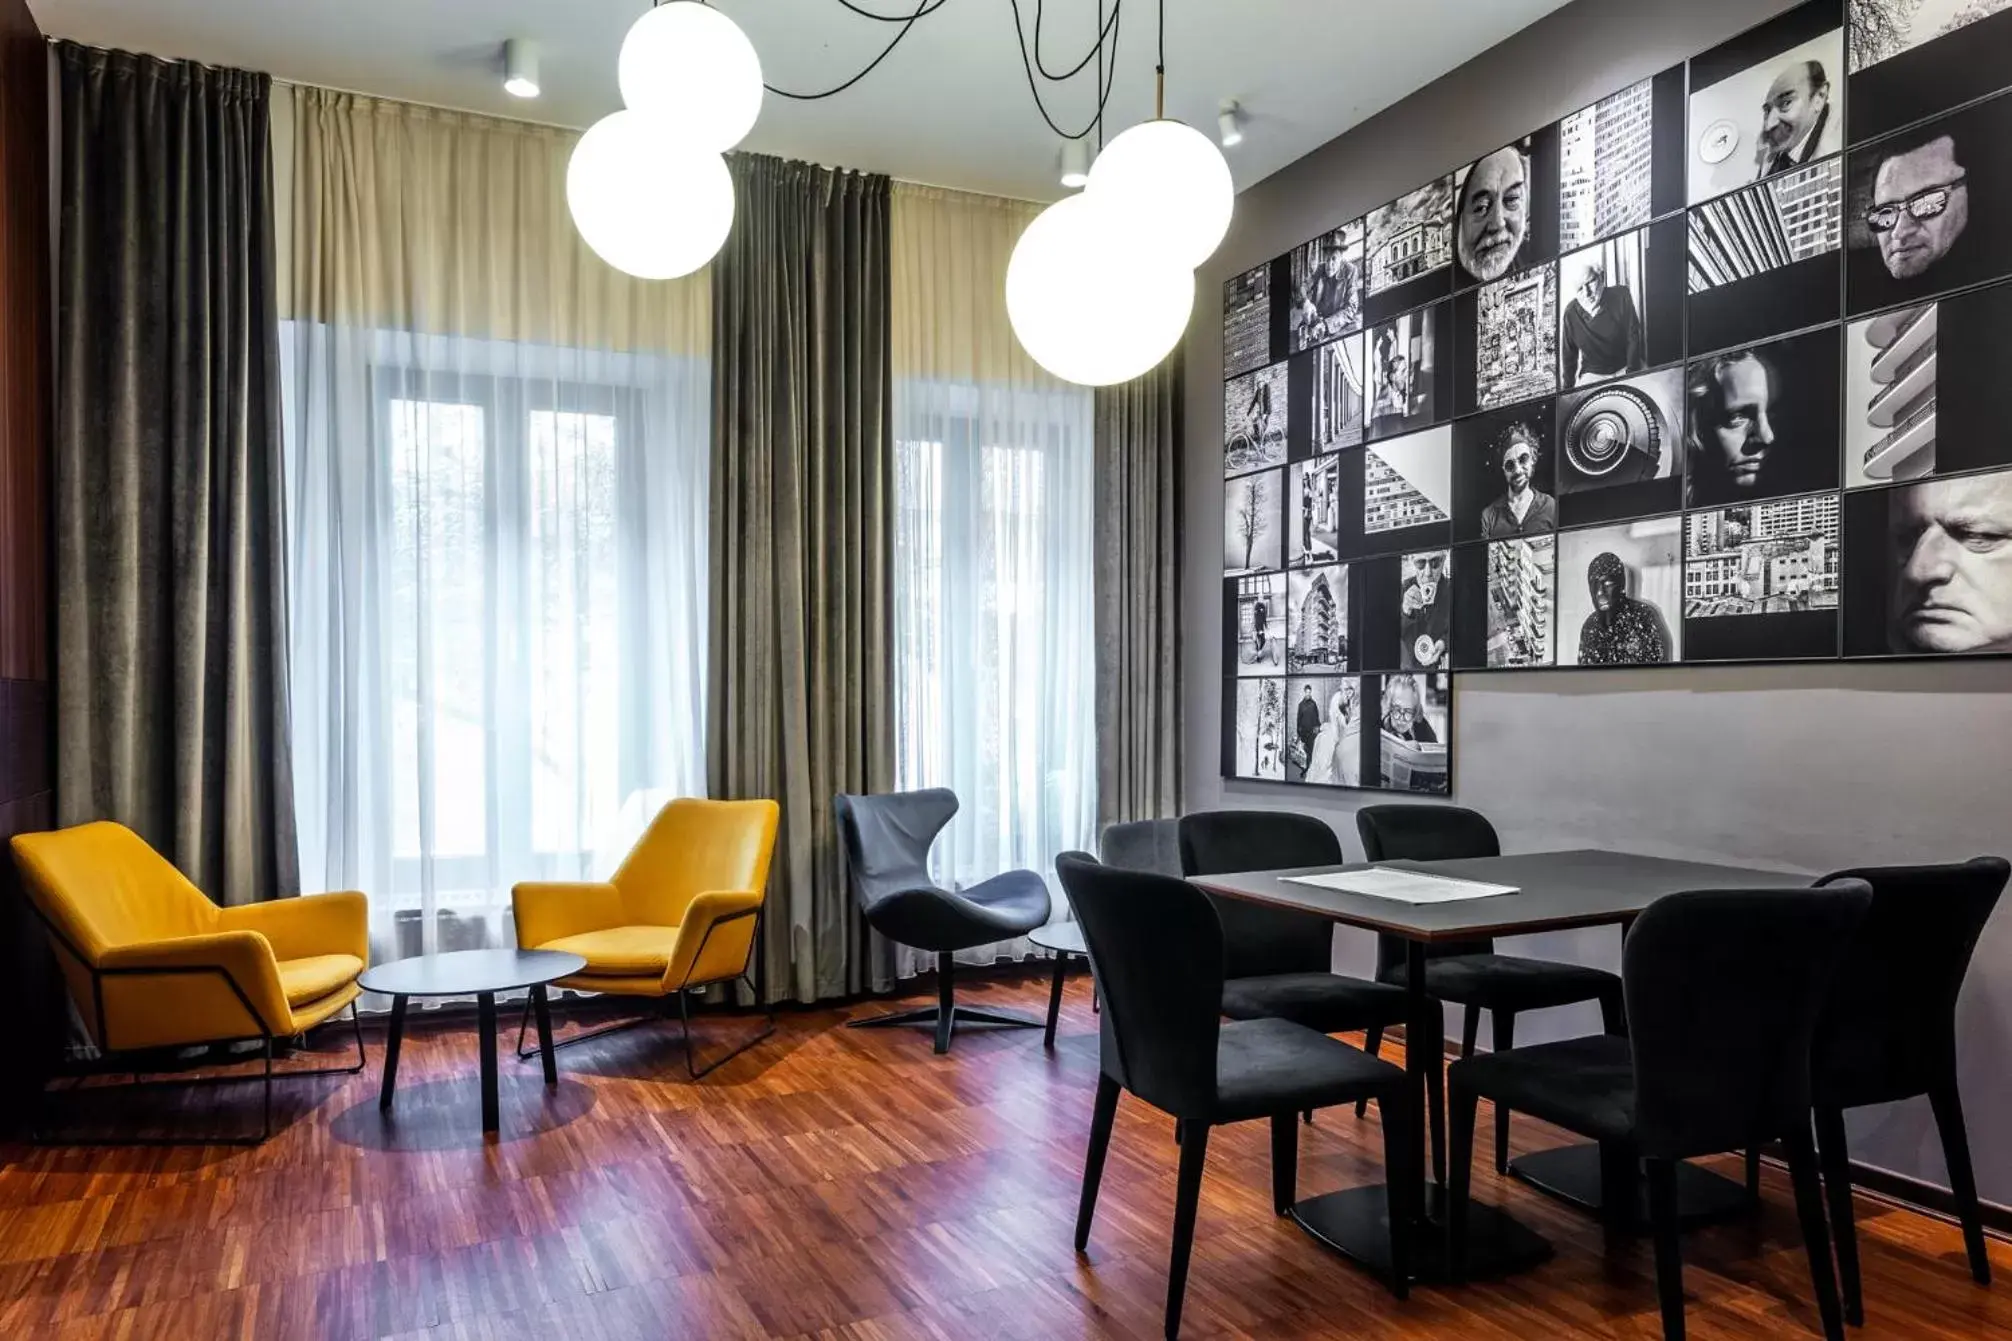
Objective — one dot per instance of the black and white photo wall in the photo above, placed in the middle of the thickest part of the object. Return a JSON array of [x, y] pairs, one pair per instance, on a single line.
[[1717, 369]]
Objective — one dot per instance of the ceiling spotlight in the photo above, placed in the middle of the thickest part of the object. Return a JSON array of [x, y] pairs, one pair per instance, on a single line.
[[520, 68], [1230, 123], [1075, 165]]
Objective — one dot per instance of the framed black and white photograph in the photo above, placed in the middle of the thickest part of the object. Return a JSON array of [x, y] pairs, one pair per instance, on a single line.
[[1314, 512], [1521, 603], [1620, 449], [1254, 638], [1928, 567], [1504, 473], [1327, 287], [1620, 594], [1768, 101], [1330, 400], [1620, 305], [1928, 389], [1410, 372], [1317, 620], [1254, 730], [1407, 492], [1414, 719], [1325, 749], [1505, 210], [1408, 250], [1761, 421], [1767, 259], [1425, 610], [1253, 511], [1929, 210], [1621, 161], [1256, 420], [1509, 340], [1247, 320], [1913, 59], [1761, 581]]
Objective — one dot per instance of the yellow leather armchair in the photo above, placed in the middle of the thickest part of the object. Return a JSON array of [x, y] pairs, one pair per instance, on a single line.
[[682, 911], [151, 963]]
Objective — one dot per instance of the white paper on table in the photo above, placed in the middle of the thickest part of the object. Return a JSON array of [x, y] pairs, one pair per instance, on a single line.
[[1383, 882]]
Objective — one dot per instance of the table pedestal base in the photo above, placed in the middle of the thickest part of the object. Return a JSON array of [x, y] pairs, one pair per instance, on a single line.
[[1572, 1174], [1356, 1224]]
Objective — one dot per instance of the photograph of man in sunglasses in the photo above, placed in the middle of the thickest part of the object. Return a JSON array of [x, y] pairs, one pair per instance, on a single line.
[[1923, 212]]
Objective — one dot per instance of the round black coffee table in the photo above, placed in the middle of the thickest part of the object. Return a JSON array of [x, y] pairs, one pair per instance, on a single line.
[[480, 974]]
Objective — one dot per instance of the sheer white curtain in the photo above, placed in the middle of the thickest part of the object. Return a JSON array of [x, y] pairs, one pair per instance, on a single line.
[[498, 478], [994, 671]]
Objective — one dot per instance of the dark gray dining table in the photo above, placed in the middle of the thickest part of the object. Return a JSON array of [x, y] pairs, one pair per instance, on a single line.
[[1556, 891]]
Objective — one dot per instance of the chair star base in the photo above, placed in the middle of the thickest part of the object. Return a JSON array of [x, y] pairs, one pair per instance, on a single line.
[[946, 1025]]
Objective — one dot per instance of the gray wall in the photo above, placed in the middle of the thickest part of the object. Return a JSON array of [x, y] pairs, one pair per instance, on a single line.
[[1805, 768]]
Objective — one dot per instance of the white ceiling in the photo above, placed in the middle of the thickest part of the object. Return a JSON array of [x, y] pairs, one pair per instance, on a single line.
[[950, 106]]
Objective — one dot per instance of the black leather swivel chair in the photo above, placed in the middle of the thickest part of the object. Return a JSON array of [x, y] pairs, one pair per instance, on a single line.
[[1888, 1032], [1143, 845], [1157, 949], [1279, 963], [1470, 973], [1723, 991], [887, 841]]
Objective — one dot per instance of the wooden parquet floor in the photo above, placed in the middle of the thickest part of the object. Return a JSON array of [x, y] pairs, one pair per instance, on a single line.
[[832, 1183]]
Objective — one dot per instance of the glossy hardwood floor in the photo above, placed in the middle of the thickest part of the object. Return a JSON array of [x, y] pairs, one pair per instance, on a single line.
[[831, 1183]]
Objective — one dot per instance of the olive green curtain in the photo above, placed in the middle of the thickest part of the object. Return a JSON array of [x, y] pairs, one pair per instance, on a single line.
[[798, 681]]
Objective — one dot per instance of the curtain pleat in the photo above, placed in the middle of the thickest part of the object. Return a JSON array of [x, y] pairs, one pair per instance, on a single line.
[[172, 712], [798, 678], [1138, 509]]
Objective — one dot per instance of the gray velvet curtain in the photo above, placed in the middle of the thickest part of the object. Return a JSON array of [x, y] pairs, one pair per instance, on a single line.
[[798, 681], [171, 712], [1138, 510]]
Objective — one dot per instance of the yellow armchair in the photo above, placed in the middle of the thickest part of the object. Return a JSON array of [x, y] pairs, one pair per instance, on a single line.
[[682, 912], [151, 963]]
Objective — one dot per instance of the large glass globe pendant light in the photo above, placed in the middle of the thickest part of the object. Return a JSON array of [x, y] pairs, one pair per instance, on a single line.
[[647, 186]]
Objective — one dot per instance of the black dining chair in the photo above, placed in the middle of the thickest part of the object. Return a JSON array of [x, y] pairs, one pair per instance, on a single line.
[[1723, 990], [1888, 1032], [1157, 951], [887, 841], [1470, 973], [1280, 963], [1143, 845]]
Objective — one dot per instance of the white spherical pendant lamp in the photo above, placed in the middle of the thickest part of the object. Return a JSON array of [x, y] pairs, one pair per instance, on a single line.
[[1087, 304], [1168, 186], [646, 203], [693, 66]]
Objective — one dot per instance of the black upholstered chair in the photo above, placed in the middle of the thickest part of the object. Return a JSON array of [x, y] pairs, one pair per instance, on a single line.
[[1723, 991], [1143, 845], [1279, 963], [1157, 950], [1888, 1032], [887, 841], [1470, 973]]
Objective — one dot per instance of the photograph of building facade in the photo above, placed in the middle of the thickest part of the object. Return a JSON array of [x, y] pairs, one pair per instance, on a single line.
[[1411, 236], [1522, 586], [1765, 558], [1789, 218], [1608, 166], [1516, 338], [1901, 408], [1391, 501], [1339, 405]]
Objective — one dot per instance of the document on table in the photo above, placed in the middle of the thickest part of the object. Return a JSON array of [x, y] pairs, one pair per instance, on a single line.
[[1383, 882]]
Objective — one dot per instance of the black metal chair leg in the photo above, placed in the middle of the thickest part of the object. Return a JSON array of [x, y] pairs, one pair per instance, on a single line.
[[543, 1010], [692, 1067], [1187, 1201], [1372, 1041], [1834, 1160], [1669, 1250], [1502, 1024], [1948, 1108], [1470, 1031], [1815, 1236], [1284, 1162], [1465, 1103], [1101, 1119]]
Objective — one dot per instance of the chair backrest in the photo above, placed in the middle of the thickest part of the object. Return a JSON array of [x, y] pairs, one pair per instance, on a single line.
[[1143, 845], [1156, 951], [695, 847], [1424, 833], [1259, 941], [887, 840], [1723, 990], [1888, 1028], [100, 886]]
